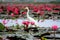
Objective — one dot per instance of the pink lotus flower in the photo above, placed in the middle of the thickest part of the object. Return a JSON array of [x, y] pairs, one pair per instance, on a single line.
[[1, 10], [16, 21], [54, 27], [4, 22], [12, 15]]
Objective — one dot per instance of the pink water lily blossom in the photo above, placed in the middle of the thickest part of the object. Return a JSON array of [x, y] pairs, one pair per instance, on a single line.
[[12, 15], [54, 27], [4, 21]]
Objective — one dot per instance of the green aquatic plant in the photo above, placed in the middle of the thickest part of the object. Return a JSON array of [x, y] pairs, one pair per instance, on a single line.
[[2, 27]]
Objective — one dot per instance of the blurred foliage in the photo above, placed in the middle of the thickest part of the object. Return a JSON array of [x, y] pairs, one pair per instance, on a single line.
[[55, 2], [2, 27]]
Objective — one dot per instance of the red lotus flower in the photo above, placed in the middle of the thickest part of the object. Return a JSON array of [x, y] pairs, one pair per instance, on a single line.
[[12, 8], [54, 27], [32, 23], [35, 9], [26, 23], [48, 9], [40, 7], [23, 12], [38, 12], [16, 11], [8, 7]]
